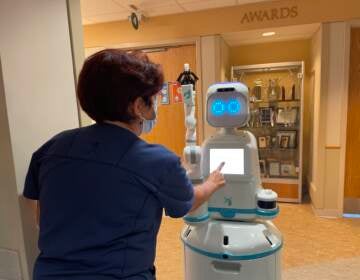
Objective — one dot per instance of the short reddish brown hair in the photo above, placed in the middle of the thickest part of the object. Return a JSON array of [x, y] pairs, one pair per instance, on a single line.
[[112, 79]]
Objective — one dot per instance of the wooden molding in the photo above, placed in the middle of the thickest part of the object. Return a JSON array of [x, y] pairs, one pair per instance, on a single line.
[[332, 147]]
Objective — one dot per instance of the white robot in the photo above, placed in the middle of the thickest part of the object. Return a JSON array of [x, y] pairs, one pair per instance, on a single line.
[[230, 237]]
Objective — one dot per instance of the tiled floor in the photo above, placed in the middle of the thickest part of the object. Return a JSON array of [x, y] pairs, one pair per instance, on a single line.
[[326, 249]]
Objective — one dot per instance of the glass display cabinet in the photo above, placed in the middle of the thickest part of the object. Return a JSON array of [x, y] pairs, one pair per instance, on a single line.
[[276, 104]]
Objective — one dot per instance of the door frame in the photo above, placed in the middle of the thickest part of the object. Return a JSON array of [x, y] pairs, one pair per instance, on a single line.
[[169, 43]]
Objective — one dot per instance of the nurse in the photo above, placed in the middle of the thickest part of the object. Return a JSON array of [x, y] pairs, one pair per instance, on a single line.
[[101, 190]]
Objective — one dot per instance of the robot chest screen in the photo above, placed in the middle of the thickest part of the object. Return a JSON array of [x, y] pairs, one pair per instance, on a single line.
[[233, 158]]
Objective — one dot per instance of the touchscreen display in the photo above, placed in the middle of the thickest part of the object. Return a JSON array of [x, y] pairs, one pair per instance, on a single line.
[[233, 158]]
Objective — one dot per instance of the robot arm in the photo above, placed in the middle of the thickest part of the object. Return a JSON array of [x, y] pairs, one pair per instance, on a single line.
[[192, 153]]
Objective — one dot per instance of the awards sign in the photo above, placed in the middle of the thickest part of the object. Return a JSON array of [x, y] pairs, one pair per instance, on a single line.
[[270, 15]]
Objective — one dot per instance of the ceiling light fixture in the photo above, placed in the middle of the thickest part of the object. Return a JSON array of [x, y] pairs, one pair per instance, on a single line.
[[267, 34]]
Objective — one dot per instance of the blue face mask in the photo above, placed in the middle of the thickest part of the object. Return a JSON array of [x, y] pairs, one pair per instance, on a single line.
[[148, 125]]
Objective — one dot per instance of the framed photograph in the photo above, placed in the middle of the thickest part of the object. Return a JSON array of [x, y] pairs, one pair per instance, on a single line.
[[164, 95], [292, 115], [257, 89], [280, 116], [287, 116], [273, 141], [274, 168], [262, 142], [287, 169], [262, 164], [284, 141], [292, 134], [268, 141], [175, 90], [254, 118], [266, 115]]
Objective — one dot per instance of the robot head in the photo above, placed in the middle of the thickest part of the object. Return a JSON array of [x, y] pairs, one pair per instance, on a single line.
[[227, 105]]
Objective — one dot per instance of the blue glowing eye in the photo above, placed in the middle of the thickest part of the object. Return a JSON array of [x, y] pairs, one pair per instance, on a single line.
[[218, 107], [233, 107]]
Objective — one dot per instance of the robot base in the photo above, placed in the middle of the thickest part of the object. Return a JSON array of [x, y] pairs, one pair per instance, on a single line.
[[229, 250]]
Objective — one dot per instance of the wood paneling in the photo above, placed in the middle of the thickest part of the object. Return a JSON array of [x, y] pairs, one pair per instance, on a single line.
[[284, 190], [352, 171], [170, 129]]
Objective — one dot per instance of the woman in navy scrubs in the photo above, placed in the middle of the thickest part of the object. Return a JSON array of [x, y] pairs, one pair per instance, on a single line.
[[101, 189]]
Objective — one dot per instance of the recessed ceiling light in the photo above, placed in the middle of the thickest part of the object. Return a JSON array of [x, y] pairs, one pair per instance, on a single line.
[[267, 34]]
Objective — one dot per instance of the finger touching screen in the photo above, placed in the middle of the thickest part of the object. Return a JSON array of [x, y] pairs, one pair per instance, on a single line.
[[233, 158]]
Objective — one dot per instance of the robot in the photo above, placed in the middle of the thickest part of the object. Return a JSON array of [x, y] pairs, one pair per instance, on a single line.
[[231, 236]]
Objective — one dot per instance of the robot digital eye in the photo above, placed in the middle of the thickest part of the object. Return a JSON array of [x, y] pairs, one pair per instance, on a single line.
[[233, 107], [218, 107]]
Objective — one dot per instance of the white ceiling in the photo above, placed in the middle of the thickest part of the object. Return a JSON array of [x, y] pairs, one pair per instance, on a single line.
[[96, 11], [287, 33]]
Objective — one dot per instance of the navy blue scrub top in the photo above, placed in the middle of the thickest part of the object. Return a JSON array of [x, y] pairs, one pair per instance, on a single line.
[[102, 191]]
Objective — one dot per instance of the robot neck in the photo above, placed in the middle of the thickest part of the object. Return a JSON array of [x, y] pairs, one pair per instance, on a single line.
[[227, 131]]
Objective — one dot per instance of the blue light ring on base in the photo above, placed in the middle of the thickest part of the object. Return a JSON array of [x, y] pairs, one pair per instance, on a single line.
[[232, 212], [199, 219], [268, 212], [231, 257]]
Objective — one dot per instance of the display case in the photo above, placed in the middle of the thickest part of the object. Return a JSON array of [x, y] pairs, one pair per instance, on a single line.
[[276, 104]]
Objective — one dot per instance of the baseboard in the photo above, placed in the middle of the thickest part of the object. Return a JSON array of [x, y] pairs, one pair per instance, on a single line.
[[328, 213]]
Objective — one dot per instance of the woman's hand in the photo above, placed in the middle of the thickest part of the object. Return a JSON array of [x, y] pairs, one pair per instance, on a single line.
[[216, 179], [214, 182]]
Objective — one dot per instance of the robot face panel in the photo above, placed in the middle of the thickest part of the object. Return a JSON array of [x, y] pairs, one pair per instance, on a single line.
[[227, 105]]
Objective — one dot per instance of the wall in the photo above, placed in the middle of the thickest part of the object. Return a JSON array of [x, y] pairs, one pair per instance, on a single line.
[[313, 178], [215, 68], [225, 73], [217, 21], [210, 71], [77, 42], [337, 92], [299, 50], [271, 52], [330, 65], [10, 219], [38, 101]]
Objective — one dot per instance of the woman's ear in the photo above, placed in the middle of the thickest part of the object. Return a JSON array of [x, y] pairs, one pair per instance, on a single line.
[[137, 107]]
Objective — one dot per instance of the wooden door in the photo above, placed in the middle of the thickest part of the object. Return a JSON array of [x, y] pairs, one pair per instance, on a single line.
[[170, 129], [352, 173]]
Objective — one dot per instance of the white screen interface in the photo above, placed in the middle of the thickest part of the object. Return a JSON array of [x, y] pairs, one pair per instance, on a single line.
[[233, 158]]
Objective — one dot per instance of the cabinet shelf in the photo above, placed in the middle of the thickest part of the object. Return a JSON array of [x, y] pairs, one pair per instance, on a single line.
[[278, 149], [281, 180], [263, 102], [275, 127]]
